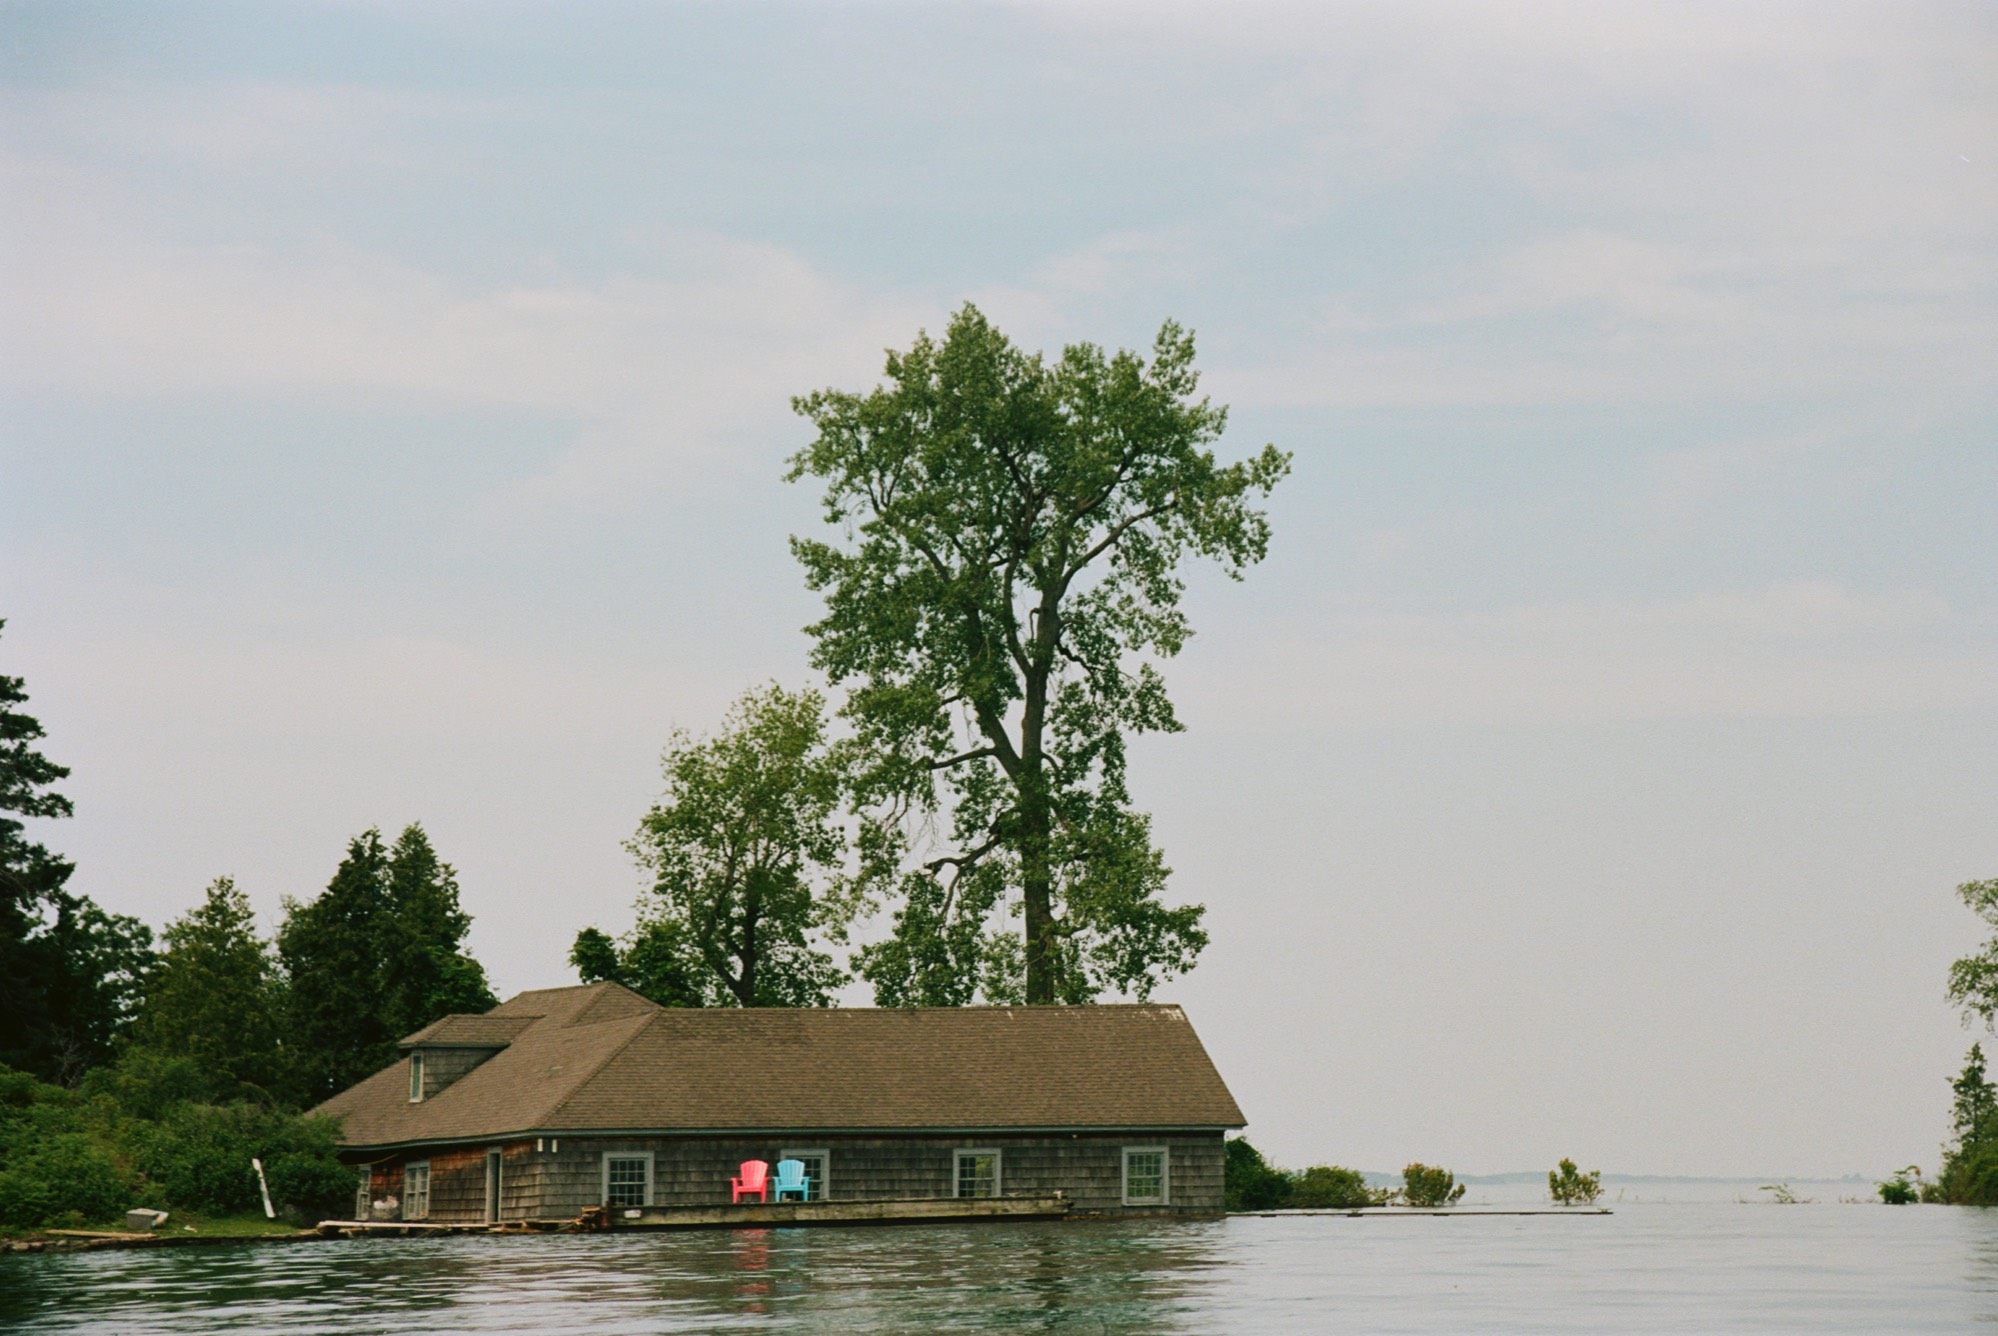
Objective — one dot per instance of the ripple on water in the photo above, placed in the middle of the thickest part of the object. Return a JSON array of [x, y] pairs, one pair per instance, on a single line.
[[1648, 1268]]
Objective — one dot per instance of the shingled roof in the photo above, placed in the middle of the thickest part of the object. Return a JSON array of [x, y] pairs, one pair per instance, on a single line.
[[602, 1059]]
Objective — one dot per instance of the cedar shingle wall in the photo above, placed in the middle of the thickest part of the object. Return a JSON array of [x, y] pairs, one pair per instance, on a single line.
[[695, 1171], [443, 1066]]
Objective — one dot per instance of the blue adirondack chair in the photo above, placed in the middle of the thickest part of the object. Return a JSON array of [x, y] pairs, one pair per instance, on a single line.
[[790, 1178]]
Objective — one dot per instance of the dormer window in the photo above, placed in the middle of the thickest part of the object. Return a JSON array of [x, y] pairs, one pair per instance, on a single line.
[[416, 1077]]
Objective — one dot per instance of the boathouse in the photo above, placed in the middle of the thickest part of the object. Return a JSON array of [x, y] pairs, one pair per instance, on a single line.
[[564, 1099]]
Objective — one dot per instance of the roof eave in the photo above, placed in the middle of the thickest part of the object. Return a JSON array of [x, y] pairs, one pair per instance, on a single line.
[[601, 1133]]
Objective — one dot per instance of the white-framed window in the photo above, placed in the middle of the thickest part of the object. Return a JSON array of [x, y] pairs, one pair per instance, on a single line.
[[416, 1190], [364, 1192], [816, 1163], [1147, 1176], [977, 1172], [627, 1178], [416, 1077]]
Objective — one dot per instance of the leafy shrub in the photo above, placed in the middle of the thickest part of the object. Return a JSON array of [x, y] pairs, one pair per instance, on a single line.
[[1569, 1186], [144, 1084], [85, 1157], [307, 1180], [1904, 1188], [65, 1176], [1422, 1185], [197, 1156], [1251, 1183], [1331, 1187]]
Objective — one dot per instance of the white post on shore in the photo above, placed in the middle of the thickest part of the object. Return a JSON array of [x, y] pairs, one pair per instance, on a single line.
[[258, 1164]]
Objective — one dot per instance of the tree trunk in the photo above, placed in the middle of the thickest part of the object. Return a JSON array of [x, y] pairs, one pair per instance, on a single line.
[[1037, 885], [1036, 876]]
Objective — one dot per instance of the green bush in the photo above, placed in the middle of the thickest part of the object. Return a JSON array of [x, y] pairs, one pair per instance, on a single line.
[[1569, 1186], [307, 1180], [64, 1176], [1422, 1185], [1904, 1188], [1251, 1183], [146, 1085], [85, 1157], [1331, 1187]]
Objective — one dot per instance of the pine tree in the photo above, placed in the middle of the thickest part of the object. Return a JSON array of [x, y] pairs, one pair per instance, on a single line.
[[69, 972], [376, 957], [215, 997], [429, 975], [333, 975]]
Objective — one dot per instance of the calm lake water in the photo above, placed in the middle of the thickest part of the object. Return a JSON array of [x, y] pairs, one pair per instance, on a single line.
[[1688, 1266]]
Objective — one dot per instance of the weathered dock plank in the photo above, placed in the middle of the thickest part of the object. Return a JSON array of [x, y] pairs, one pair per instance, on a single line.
[[904, 1211]]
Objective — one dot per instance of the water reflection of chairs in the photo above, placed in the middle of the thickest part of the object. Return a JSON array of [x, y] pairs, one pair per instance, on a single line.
[[791, 1178], [753, 1176]]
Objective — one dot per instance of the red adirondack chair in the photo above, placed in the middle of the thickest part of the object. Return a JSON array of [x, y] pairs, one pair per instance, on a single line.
[[754, 1177]]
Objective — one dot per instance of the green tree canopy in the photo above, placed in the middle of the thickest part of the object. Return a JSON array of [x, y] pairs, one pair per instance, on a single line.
[[655, 960], [378, 955], [746, 833], [1009, 580], [69, 972], [1973, 980], [216, 996]]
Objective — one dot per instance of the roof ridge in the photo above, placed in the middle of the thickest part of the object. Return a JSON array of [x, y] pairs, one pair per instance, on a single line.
[[643, 1020]]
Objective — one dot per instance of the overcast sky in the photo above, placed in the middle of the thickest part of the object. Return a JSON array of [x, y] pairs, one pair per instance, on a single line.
[[396, 399]]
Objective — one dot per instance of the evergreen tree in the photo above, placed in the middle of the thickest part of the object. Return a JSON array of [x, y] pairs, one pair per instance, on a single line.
[[332, 975], [375, 957], [1975, 1101], [428, 975], [69, 972], [215, 997]]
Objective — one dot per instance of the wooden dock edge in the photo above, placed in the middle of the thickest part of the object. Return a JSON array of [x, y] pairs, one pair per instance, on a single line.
[[894, 1211], [746, 1215]]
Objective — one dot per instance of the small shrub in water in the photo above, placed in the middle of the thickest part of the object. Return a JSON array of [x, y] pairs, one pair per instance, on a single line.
[[1422, 1185], [1569, 1186], [1904, 1188], [1329, 1187], [1250, 1182]]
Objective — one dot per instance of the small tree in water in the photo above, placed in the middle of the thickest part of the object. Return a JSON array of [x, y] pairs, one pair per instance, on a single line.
[[1569, 1186], [1422, 1185]]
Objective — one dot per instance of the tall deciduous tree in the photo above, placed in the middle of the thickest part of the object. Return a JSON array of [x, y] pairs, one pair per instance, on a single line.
[[377, 956], [216, 995], [1011, 577], [1973, 980], [738, 848], [69, 972]]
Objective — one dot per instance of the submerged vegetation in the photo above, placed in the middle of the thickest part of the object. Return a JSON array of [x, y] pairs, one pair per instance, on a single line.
[[1904, 1188], [1254, 1184], [1569, 1186], [1426, 1185]]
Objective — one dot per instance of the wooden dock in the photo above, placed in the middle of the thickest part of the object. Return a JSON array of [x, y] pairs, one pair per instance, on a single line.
[[722, 1215], [903, 1211]]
